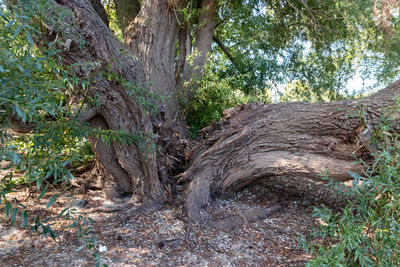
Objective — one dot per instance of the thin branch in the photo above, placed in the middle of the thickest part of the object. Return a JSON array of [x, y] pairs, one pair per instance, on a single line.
[[226, 51]]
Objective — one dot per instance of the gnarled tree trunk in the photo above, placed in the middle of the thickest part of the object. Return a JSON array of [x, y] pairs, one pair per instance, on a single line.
[[90, 41], [152, 34], [251, 142]]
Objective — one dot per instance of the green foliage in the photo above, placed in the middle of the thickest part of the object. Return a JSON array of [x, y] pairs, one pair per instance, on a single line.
[[367, 231], [293, 51], [109, 6], [35, 93], [215, 94], [321, 44], [85, 231], [311, 47], [296, 91]]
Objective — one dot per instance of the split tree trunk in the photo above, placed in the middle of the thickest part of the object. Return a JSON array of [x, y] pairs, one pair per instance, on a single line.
[[153, 34]]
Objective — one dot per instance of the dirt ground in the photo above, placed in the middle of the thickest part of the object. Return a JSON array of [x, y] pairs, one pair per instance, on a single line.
[[127, 237]]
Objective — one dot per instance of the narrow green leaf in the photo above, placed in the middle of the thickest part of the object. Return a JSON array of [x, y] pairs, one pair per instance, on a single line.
[[43, 191], [72, 225], [10, 23], [24, 219], [20, 113], [7, 209], [57, 181], [355, 175], [39, 184], [30, 40], [356, 178], [13, 215], [52, 200], [46, 220], [62, 212], [69, 174], [80, 248], [48, 174], [17, 31], [65, 163], [21, 69]]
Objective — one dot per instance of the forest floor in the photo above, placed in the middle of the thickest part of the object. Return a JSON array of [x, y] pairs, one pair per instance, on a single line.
[[126, 237]]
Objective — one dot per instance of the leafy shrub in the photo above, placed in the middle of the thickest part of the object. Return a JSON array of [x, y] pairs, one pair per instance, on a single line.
[[35, 92], [215, 93], [367, 231]]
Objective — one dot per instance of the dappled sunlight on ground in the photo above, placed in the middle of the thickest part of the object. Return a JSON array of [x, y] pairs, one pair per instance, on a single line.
[[128, 238]]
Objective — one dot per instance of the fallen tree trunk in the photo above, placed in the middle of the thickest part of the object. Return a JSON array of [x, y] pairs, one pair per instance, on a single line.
[[308, 140]]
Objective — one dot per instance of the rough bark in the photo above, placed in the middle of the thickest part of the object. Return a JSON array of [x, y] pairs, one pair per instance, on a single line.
[[291, 140], [152, 36], [184, 48], [204, 34], [90, 41], [105, 154]]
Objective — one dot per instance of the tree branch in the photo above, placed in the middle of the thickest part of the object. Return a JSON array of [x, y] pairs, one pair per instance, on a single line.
[[224, 49], [227, 53], [100, 11]]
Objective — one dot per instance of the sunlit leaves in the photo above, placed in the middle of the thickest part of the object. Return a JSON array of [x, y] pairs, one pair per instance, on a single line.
[[319, 43]]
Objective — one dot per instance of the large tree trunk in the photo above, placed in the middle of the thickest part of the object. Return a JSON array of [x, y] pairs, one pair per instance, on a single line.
[[90, 41], [152, 36], [288, 140], [251, 142]]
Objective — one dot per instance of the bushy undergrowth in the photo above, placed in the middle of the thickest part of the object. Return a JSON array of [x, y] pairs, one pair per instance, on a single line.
[[35, 92], [367, 231], [215, 93]]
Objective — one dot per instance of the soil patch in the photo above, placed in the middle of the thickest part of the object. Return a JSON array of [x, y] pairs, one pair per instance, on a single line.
[[128, 238]]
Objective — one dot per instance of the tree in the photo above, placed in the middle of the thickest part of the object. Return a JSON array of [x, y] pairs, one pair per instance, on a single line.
[[251, 142]]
